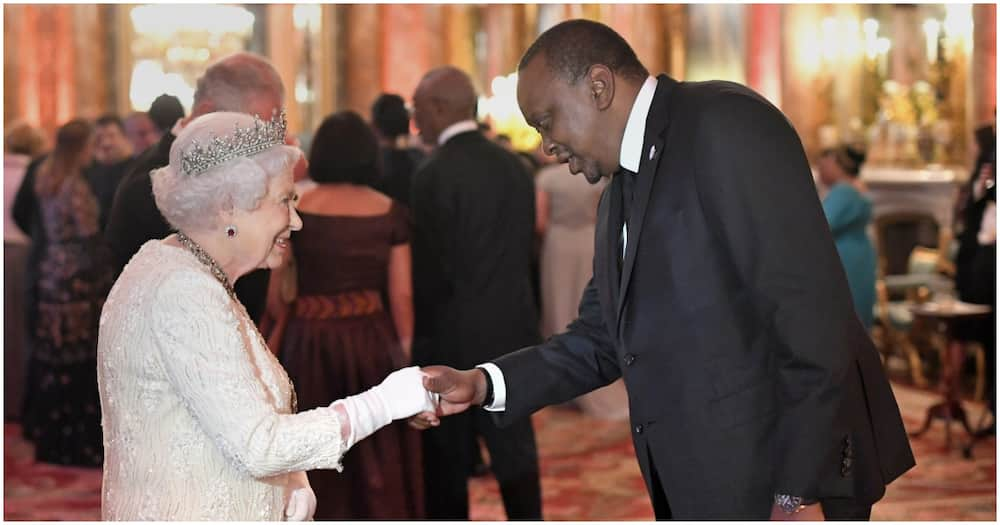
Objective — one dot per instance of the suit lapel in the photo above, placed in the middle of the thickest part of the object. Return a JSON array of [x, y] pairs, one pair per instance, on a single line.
[[652, 152]]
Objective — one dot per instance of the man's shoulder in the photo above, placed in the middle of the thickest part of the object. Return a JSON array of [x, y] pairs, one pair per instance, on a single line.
[[722, 102], [713, 93], [137, 174]]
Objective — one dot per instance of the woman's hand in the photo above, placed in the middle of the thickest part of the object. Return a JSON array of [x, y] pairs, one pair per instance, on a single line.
[[403, 394], [301, 504]]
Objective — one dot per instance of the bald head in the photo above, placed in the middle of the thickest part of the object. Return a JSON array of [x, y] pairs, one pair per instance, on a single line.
[[242, 82], [444, 96]]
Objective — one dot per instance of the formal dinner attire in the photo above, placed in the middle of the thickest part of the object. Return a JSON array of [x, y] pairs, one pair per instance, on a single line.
[[474, 214], [340, 341], [62, 414], [730, 318], [198, 415]]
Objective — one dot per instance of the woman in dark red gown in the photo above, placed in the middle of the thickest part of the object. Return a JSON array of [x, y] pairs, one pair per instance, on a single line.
[[351, 322]]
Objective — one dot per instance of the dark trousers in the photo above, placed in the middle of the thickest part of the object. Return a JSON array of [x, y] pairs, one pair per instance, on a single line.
[[845, 509], [15, 332], [449, 460]]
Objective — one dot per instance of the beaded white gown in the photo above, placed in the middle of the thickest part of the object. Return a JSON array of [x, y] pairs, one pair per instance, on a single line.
[[196, 411]]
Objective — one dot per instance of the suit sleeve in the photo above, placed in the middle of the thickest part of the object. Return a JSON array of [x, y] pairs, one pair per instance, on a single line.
[[134, 217], [567, 365], [755, 188]]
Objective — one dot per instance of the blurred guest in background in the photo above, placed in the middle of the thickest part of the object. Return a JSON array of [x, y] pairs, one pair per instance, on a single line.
[[567, 214], [976, 261], [112, 159], [391, 120], [165, 111], [62, 412], [848, 210], [141, 131], [22, 142], [112, 145], [351, 323], [474, 213]]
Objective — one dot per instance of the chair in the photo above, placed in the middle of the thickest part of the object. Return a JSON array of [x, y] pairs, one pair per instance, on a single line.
[[927, 271], [908, 266]]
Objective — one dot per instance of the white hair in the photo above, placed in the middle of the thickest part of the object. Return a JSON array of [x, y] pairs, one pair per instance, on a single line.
[[233, 81], [198, 202]]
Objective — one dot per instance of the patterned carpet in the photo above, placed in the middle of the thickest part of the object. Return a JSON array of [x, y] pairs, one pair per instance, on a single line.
[[588, 473]]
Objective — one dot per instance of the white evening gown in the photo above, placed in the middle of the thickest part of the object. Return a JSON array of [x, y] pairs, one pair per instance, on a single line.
[[196, 411]]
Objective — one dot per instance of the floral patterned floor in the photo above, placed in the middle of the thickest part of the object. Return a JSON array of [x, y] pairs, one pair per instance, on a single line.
[[588, 473]]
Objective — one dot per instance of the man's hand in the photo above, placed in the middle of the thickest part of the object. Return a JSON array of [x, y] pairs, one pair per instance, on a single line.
[[459, 389], [812, 512]]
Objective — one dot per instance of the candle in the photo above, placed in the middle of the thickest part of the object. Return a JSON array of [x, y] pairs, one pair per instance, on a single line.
[[932, 30]]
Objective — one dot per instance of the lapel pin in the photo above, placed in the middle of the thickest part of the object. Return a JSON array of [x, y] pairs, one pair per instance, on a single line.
[[652, 152]]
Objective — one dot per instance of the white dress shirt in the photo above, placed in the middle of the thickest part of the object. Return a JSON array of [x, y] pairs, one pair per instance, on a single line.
[[629, 158], [455, 129]]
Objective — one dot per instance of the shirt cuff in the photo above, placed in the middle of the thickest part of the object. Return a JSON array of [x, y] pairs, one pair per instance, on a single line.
[[499, 403]]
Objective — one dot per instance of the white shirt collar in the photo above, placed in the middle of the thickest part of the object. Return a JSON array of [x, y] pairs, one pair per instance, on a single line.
[[455, 129], [635, 128]]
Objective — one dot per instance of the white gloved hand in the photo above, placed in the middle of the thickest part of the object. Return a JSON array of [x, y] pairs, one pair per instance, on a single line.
[[403, 394], [400, 395], [301, 505]]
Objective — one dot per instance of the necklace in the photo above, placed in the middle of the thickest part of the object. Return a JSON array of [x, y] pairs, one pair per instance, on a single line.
[[206, 259]]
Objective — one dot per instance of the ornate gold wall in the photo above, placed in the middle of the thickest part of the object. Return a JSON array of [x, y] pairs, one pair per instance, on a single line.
[[55, 62], [63, 61]]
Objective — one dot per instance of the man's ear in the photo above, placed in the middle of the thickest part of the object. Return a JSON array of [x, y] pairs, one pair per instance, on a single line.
[[602, 86]]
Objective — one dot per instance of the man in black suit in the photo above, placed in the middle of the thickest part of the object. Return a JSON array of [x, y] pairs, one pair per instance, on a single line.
[[474, 208], [242, 82], [391, 121], [717, 293]]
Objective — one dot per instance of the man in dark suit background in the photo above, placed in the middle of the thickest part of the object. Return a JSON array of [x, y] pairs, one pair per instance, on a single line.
[[474, 208], [242, 82], [391, 121], [717, 293], [113, 156]]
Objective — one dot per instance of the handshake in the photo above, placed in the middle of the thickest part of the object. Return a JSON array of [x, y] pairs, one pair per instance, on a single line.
[[424, 395]]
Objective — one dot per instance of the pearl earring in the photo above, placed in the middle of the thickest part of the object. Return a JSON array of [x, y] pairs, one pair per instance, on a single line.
[[231, 231]]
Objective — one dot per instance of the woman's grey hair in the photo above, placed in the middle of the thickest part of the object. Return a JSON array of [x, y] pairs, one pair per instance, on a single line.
[[199, 202]]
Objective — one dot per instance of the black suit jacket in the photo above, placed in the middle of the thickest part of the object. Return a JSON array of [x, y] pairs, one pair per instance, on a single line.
[[398, 166], [135, 219], [747, 370], [104, 180], [473, 206]]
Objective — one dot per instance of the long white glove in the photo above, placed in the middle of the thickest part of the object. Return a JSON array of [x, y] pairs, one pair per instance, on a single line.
[[302, 501], [400, 395]]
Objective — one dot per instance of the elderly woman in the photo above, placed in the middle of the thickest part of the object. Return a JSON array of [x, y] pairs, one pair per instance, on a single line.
[[199, 418]]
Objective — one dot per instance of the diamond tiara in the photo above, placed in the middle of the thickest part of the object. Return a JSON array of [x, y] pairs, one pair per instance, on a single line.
[[243, 142]]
